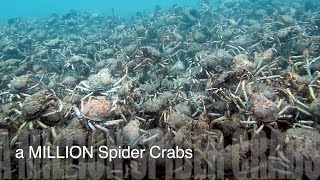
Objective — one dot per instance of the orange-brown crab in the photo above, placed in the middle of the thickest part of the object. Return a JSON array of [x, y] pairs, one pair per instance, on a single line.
[[96, 108]]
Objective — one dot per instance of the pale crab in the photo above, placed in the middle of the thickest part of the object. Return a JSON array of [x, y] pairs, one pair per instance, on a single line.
[[41, 107], [77, 61]]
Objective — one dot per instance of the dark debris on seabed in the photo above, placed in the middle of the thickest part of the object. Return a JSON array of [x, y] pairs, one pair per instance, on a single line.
[[187, 76]]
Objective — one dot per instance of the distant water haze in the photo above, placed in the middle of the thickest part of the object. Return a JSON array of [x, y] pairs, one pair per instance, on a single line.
[[42, 8]]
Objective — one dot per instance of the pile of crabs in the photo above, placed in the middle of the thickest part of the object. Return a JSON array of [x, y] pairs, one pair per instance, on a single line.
[[228, 88]]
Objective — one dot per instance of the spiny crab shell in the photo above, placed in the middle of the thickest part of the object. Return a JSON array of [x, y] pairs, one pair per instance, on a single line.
[[96, 108], [263, 109], [36, 103]]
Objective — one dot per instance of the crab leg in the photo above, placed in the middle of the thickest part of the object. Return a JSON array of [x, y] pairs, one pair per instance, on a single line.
[[306, 122], [280, 103], [140, 118], [238, 86], [85, 85], [23, 125], [82, 88], [101, 128], [119, 81], [248, 122], [301, 104], [91, 126], [114, 89], [113, 122], [68, 112], [53, 132], [78, 113], [17, 111], [41, 124], [4, 93], [85, 97], [284, 110], [259, 129], [14, 140], [303, 126], [279, 160], [213, 115], [311, 91], [123, 117], [60, 105], [293, 108], [281, 155], [150, 138], [138, 140], [49, 114], [313, 80], [30, 125], [304, 111]]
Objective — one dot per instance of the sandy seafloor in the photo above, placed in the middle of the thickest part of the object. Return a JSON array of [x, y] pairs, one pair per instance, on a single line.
[[225, 89]]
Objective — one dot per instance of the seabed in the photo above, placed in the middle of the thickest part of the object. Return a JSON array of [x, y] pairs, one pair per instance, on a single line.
[[235, 84]]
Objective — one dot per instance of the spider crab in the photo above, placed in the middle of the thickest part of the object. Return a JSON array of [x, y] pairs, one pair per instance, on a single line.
[[264, 110], [96, 108], [40, 107]]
